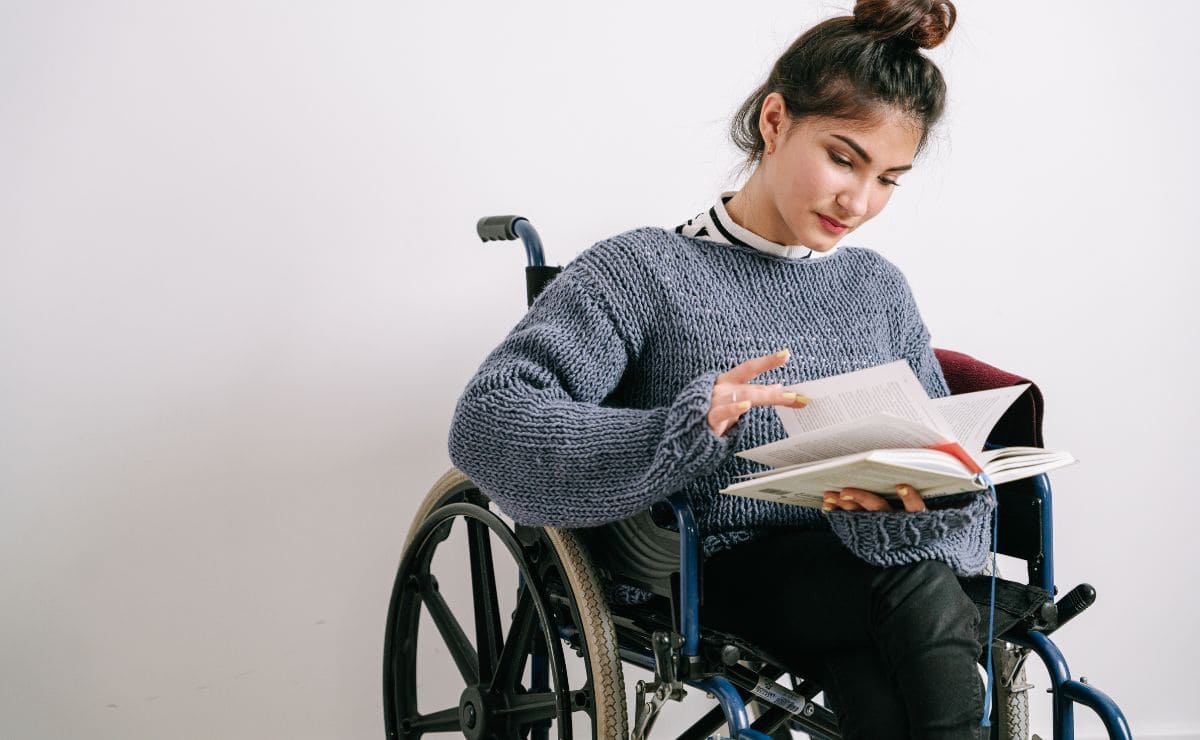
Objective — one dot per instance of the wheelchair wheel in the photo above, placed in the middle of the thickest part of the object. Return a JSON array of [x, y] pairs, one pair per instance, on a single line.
[[1010, 718], [506, 682]]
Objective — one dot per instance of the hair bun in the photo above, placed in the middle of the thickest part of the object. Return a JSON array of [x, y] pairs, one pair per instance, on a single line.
[[924, 23]]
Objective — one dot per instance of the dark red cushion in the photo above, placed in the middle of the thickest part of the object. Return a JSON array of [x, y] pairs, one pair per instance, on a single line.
[[1021, 425]]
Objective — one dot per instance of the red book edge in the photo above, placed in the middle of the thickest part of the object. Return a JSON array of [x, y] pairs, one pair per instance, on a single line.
[[955, 449]]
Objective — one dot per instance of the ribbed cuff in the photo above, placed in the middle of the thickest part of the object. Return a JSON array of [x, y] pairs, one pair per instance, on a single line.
[[960, 537], [687, 437]]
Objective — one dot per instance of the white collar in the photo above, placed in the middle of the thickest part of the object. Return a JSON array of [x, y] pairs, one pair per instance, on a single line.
[[716, 225]]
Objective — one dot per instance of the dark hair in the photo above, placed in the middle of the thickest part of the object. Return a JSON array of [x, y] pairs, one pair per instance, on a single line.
[[853, 66]]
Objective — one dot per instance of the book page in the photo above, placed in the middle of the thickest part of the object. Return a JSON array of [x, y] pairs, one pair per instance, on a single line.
[[876, 432], [972, 416], [1013, 463], [890, 389]]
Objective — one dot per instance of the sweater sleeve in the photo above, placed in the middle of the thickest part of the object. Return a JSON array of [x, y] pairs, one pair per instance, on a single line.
[[533, 430], [959, 537], [911, 337]]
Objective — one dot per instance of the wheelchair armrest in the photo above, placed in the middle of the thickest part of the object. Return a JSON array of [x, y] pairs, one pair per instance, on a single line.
[[1026, 528]]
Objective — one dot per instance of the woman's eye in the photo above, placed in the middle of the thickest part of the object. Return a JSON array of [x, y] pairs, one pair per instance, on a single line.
[[839, 159], [890, 182]]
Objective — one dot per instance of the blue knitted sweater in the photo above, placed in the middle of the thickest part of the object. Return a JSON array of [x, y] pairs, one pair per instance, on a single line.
[[594, 407]]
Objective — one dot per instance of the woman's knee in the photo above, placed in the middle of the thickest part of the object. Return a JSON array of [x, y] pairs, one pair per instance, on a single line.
[[922, 598]]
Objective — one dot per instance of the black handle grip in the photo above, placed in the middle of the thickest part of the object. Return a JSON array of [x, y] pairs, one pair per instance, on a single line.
[[497, 228], [1080, 598]]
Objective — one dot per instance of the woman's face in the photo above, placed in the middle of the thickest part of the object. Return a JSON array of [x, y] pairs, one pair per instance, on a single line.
[[828, 176]]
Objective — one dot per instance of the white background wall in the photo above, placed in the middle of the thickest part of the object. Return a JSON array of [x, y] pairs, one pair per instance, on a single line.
[[240, 291]]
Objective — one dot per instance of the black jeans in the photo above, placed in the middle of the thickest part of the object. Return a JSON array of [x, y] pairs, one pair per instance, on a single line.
[[895, 648]]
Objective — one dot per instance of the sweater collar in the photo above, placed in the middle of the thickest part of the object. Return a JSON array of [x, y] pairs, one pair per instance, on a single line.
[[716, 225]]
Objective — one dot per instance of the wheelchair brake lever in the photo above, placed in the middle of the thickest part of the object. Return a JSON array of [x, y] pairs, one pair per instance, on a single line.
[[666, 685], [666, 653]]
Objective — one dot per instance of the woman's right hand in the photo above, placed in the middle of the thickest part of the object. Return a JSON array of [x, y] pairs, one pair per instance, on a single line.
[[733, 393]]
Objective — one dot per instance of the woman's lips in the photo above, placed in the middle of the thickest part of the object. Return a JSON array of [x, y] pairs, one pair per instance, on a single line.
[[832, 226]]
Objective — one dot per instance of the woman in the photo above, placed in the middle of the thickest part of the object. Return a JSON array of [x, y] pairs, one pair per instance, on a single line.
[[656, 355]]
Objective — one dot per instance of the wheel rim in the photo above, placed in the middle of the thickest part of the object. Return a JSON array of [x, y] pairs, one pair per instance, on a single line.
[[494, 702]]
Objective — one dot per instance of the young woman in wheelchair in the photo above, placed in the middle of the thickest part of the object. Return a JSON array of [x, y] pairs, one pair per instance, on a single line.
[[658, 353]]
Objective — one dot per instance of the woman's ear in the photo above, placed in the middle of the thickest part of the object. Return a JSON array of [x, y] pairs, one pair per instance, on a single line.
[[772, 119]]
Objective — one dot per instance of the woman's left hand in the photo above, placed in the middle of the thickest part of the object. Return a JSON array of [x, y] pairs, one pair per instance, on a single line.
[[856, 499]]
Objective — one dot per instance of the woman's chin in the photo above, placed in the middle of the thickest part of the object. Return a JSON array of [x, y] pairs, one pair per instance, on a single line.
[[821, 242]]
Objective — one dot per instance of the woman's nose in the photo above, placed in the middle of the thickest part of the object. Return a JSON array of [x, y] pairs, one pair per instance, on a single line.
[[853, 199]]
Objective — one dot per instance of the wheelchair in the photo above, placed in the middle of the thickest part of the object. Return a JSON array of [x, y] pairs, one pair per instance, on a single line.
[[516, 681]]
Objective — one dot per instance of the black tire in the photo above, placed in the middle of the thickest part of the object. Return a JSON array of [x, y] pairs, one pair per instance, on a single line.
[[560, 599]]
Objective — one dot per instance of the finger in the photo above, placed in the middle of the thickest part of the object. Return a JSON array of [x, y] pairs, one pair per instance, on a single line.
[[833, 500], [738, 392], [830, 501], [760, 395], [791, 399], [865, 499], [910, 498], [752, 368]]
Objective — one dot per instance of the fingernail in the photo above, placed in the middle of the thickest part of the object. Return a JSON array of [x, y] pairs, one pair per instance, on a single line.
[[902, 490], [783, 353], [827, 507], [789, 396], [743, 405], [829, 500], [802, 400], [847, 498]]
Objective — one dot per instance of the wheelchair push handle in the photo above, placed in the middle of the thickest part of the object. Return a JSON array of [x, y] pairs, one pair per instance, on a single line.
[[496, 228], [507, 228]]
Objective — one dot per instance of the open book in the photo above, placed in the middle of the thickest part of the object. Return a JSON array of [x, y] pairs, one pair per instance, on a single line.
[[877, 428]]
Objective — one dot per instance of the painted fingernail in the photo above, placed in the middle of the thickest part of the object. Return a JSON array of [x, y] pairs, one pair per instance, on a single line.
[[743, 405], [903, 490], [789, 396], [827, 507], [847, 498], [783, 353], [802, 400]]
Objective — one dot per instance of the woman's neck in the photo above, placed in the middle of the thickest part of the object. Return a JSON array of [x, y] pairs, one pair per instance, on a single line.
[[752, 209]]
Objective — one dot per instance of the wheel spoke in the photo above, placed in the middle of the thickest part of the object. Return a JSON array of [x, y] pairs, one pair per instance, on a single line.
[[443, 721], [511, 664], [452, 633], [526, 708], [488, 634]]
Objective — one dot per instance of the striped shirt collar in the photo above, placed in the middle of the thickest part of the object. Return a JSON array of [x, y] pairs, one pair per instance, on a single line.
[[716, 225]]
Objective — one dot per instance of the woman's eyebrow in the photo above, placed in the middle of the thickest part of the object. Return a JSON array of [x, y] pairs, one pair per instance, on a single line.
[[867, 157]]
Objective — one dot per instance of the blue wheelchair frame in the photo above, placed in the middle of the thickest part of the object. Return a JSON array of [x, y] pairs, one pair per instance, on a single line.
[[1066, 691]]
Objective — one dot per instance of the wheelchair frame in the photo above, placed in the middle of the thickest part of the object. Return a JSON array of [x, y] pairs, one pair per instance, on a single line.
[[674, 651]]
